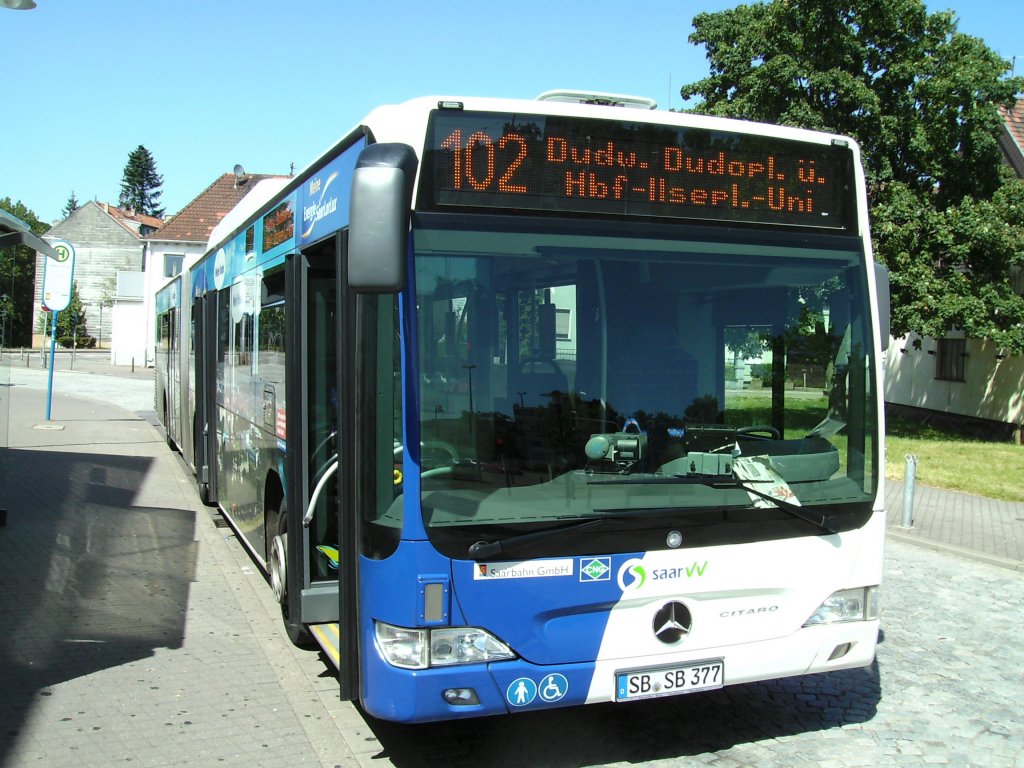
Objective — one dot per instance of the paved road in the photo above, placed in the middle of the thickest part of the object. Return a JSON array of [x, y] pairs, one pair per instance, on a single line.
[[135, 630]]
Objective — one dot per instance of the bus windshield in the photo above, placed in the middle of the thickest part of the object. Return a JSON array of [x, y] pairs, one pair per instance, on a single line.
[[711, 380]]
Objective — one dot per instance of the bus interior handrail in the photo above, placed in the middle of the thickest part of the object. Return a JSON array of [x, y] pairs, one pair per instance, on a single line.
[[329, 469]]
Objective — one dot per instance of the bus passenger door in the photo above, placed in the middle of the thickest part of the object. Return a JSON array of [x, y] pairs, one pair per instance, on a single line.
[[204, 313], [172, 381], [311, 431]]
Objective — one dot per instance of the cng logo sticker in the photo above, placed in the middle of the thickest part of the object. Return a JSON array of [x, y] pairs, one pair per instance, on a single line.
[[596, 569], [632, 575]]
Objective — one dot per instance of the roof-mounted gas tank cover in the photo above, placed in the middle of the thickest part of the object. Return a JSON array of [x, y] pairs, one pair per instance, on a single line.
[[602, 99], [380, 204]]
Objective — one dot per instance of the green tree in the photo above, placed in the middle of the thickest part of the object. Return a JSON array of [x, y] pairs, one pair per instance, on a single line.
[[72, 330], [71, 205], [922, 101], [17, 280], [140, 183]]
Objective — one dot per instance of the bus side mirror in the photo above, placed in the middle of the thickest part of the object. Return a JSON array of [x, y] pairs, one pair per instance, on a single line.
[[379, 217], [884, 302]]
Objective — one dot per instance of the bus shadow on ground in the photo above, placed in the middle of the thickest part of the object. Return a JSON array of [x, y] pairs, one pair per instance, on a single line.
[[644, 731], [90, 582]]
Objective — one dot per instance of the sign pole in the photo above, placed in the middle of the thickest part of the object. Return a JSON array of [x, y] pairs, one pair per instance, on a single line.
[[58, 285], [53, 348]]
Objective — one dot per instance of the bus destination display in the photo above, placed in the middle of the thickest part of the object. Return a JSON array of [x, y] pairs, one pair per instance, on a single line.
[[566, 164]]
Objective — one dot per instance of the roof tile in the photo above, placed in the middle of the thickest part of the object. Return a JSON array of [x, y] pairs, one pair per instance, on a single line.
[[1013, 120], [197, 219]]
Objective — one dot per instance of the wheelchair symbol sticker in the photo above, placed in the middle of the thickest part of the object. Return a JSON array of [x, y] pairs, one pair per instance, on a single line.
[[553, 687]]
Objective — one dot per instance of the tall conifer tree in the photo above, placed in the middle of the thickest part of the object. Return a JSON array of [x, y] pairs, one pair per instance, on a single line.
[[71, 205], [140, 184]]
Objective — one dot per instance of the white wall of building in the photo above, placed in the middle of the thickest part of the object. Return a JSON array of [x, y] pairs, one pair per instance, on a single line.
[[158, 255], [128, 337], [993, 385], [128, 324]]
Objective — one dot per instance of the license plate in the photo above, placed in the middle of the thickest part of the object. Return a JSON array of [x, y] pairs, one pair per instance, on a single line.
[[669, 681]]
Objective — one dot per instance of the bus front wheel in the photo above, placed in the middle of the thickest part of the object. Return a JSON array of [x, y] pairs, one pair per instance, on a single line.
[[278, 568]]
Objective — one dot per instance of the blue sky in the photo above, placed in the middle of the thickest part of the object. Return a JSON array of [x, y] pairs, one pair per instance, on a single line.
[[267, 83]]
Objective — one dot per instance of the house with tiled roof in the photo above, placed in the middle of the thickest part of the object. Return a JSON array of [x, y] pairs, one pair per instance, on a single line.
[[1011, 140], [968, 382], [183, 236], [107, 240]]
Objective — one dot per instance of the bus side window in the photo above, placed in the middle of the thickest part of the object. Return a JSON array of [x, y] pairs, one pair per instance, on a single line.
[[223, 318], [244, 341]]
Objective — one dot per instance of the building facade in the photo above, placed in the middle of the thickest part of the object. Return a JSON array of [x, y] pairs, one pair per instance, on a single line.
[[107, 240]]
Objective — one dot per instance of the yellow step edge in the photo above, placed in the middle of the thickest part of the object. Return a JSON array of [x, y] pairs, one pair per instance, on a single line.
[[328, 638]]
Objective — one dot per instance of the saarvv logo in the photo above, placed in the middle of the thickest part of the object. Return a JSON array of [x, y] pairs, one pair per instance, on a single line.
[[633, 574]]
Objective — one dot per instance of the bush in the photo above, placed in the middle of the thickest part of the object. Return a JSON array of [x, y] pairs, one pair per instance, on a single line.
[[83, 342]]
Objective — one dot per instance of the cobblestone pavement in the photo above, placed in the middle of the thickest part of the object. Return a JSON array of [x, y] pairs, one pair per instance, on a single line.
[[134, 630]]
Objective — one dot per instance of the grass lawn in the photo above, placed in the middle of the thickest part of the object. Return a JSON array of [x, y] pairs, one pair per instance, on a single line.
[[945, 460]]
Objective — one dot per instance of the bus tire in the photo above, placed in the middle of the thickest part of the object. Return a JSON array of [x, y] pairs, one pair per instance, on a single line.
[[204, 488], [167, 428], [277, 565]]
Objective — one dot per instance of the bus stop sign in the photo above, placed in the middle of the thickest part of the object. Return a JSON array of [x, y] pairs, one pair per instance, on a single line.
[[57, 276]]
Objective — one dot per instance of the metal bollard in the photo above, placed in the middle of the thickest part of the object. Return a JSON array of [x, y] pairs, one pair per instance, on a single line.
[[909, 484]]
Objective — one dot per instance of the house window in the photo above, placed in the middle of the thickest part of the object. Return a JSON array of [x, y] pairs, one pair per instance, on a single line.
[[951, 359], [563, 324], [172, 264]]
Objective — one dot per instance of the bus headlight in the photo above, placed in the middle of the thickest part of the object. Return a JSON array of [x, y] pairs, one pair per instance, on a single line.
[[466, 645], [422, 648], [859, 604], [403, 647]]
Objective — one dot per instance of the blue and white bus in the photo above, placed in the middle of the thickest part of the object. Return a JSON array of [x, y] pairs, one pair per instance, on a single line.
[[530, 404]]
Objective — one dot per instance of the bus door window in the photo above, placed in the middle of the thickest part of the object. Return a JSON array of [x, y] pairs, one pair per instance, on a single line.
[[322, 402], [242, 448], [223, 416], [270, 353]]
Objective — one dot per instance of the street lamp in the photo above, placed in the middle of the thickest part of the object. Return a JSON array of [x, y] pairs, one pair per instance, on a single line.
[[18, 5]]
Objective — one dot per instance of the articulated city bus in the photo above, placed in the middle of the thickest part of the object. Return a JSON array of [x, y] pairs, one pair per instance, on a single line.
[[529, 404]]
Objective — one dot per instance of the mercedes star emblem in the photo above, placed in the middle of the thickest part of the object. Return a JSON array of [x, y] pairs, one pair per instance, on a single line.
[[672, 623]]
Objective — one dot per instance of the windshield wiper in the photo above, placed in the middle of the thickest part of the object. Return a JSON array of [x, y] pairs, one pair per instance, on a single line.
[[824, 522], [483, 550]]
